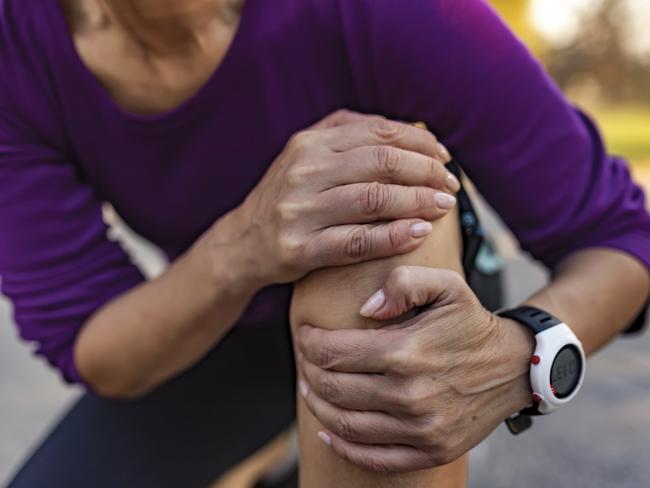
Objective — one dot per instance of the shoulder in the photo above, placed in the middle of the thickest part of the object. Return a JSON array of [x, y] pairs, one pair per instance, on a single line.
[[393, 23], [27, 86], [23, 27]]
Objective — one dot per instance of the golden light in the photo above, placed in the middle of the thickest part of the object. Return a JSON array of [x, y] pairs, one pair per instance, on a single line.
[[558, 20]]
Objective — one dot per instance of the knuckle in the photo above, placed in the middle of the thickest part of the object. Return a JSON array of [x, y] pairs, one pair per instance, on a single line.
[[414, 399], [389, 160], [346, 455], [340, 114], [425, 200], [399, 363], [444, 457], [395, 235], [329, 389], [430, 139], [386, 131], [291, 247], [402, 359], [400, 278], [437, 172], [431, 438], [345, 428], [426, 440], [359, 244], [288, 211], [373, 199], [398, 401], [301, 174], [326, 355], [377, 465], [301, 140]]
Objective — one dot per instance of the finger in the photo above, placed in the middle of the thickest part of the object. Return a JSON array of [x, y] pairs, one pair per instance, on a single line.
[[384, 459], [410, 287], [349, 244], [350, 350], [343, 117], [388, 164], [375, 202], [361, 427], [383, 132], [350, 391]]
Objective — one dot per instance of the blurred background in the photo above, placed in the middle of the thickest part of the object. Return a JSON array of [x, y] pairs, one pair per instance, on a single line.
[[599, 53]]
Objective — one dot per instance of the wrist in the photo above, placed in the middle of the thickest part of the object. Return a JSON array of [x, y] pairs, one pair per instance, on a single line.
[[229, 258], [518, 343]]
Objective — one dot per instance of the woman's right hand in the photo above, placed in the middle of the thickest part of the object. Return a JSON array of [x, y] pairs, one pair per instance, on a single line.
[[351, 188]]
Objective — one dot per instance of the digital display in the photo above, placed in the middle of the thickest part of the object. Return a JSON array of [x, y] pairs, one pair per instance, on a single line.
[[566, 371]]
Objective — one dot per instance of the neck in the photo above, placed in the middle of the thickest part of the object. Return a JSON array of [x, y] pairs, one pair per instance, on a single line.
[[168, 27]]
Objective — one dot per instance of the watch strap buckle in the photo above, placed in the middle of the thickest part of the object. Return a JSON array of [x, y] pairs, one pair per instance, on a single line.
[[518, 423]]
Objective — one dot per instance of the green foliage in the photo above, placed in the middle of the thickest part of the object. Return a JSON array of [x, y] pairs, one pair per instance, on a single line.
[[627, 131]]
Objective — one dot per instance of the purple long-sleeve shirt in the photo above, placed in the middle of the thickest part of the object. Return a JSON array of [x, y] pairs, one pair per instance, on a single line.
[[66, 147]]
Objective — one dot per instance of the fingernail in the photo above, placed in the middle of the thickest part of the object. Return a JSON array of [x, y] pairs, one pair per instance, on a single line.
[[421, 229], [325, 438], [452, 182], [444, 152], [445, 201], [302, 386], [373, 304]]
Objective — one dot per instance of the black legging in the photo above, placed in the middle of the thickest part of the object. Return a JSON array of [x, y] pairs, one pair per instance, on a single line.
[[185, 434]]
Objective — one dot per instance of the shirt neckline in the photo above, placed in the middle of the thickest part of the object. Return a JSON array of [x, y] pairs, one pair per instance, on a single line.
[[216, 85]]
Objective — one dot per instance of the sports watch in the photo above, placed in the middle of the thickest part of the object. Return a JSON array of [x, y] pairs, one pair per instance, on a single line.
[[557, 367]]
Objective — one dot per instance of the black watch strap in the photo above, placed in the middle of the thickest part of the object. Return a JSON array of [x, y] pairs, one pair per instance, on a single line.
[[538, 321], [535, 319]]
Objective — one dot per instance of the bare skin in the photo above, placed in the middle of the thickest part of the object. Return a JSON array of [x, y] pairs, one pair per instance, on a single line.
[[152, 55], [342, 291]]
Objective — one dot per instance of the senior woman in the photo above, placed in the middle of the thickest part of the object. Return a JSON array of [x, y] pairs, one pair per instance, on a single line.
[[178, 114]]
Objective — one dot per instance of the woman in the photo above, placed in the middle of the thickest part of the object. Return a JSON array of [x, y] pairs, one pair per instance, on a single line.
[[174, 111]]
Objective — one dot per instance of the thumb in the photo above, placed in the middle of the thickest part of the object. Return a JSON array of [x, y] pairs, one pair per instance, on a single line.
[[409, 287]]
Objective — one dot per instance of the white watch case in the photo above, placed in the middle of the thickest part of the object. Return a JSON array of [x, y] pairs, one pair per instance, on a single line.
[[549, 344]]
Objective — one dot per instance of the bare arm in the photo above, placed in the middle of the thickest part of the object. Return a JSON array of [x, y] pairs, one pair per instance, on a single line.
[[598, 292], [311, 210], [162, 327], [331, 299]]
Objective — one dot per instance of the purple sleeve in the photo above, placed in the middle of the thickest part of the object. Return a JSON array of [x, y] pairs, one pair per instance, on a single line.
[[540, 163], [56, 262]]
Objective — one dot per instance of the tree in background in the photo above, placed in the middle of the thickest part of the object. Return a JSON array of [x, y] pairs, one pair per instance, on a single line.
[[598, 64], [598, 67], [600, 59]]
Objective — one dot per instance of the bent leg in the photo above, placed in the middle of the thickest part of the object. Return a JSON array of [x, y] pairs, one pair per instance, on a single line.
[[331, 299], [187, 433]]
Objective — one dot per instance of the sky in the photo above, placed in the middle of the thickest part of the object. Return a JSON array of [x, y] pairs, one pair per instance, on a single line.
[[558, 20]]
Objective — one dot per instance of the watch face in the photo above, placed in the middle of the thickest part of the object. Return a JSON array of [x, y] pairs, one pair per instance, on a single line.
[[566, 371]]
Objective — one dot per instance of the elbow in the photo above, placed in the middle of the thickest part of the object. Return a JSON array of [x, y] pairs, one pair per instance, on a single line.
[[119, 389], [106, 379]]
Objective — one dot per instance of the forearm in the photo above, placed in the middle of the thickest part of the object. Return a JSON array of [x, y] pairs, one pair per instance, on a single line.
[[331, 299], [163, 327], [598, 292]]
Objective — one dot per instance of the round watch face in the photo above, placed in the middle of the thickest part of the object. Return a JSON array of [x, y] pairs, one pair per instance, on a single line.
[[566, 371]]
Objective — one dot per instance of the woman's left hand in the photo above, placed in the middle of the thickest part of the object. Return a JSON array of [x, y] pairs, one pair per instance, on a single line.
[[422, 393]]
